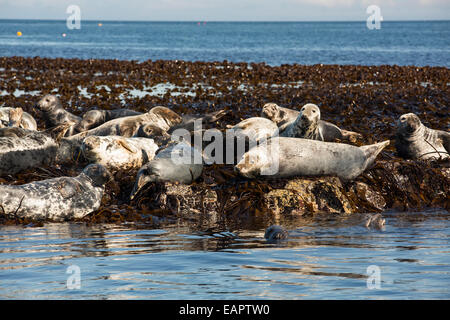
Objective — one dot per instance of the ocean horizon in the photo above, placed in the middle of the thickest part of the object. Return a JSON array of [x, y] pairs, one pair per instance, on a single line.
[[419, 43]]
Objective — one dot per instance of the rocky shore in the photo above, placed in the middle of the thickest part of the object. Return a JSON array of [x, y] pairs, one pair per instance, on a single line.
[[364, 99]]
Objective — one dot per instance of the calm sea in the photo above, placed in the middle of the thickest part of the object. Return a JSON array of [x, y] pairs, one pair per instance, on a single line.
[[402, 43]]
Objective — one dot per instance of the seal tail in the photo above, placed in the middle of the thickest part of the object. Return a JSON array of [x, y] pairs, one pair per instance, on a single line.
[[372, 151]]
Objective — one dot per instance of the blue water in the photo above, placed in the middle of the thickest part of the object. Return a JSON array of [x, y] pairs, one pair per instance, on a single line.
[[402, 43], [325, 258]]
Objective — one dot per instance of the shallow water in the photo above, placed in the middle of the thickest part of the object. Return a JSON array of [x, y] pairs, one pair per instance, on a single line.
[[325, 258]]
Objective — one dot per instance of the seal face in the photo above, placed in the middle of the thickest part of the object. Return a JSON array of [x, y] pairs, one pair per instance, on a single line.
[[119, 153], [56, 199], [16, 117], [413, 140], [23, 149], [282, 117], [303, 157], [178, 162], [55, 114], [275, 232]]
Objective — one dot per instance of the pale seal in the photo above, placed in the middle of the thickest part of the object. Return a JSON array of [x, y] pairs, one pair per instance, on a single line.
[[161, 117], [413, 140], [256, 129], [119, 153], [56, 199], [275, 232], [22, 149], [285, 157], [308, 125], [94, 118], [56, 115], [16, 117], [281, 116], [178, 162]]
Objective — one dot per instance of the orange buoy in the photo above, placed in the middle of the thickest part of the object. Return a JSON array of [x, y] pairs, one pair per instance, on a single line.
[[19, 33], [100, 24]]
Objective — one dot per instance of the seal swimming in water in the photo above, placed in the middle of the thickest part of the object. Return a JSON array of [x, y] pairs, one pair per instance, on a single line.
[[55, 114], [289, 157], [161, 117], [413, 140], [22, 149], [57, 199], [375, 221], [16, 117], [275, 232], [308, 125], [177, 162], [118, 153], [94, 118]]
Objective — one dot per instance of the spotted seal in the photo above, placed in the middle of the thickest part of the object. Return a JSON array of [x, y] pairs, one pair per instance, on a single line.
[[22, 149], [161, 117], [16, 117], [55, 114], [118, 153], [56, 199], [284, 157], [255, 128], [413, 140], [275, 232], [177, 162], [308, 125], [94, 118]]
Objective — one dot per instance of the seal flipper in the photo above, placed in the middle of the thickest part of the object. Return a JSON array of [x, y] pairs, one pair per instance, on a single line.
[[372, 151]]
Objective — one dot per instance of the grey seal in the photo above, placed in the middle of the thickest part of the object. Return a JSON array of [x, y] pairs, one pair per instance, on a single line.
[[374, 221], [275, 232], [255, 128], [161, 117], [413, 140], [280, 115], [16, 117], [94, 118], [283, 157], [119, 153], [177, 162], [56, 199], [22, 149], [308, 125], [56, 115]]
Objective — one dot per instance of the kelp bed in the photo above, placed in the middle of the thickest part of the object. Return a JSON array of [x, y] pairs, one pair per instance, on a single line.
[[365, 99]]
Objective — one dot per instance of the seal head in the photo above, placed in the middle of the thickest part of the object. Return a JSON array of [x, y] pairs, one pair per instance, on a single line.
[[275, 232], [98, 174]]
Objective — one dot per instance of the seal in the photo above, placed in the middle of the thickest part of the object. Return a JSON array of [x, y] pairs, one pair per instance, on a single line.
[[308, 125], [16, 117], [94, 118], [283, 157], [118, 153], [55, 115], [57, 199], [177, 162], [275, 232], [191, 122], [413, 140], [283, 117], [22, 149], [256, 129], [375, 221], [161, 117]]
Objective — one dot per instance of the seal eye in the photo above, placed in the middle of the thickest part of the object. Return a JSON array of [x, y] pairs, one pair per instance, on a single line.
[[314, 111]]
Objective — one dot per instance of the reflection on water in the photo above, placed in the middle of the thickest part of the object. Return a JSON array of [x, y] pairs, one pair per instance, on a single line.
[[325, 257]]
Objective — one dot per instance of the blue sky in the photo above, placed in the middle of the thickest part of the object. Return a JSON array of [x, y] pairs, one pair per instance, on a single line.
[[227, 10]]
